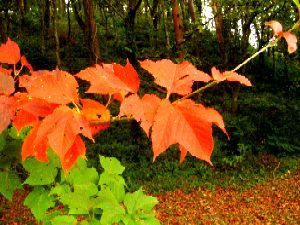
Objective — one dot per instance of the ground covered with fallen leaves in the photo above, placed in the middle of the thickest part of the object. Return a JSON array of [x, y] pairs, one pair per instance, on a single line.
[[275, 201]]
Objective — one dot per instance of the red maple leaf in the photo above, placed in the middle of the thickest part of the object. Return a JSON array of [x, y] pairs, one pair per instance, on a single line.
[[9, 52], [128, 75], [7, 84], [96, 114], [111, 79], [229, 76], [143, 110], [7, 110], [176, 78], [187, 124], [54, 86], [30, 110], [59, 130], [31, 148], [25, 63], [77, 149], [5, 71]]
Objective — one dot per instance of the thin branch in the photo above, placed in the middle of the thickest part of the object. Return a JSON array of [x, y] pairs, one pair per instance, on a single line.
[[271, 43]]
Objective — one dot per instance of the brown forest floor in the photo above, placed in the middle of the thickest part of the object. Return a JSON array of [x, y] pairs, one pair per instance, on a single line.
[[275, 201]]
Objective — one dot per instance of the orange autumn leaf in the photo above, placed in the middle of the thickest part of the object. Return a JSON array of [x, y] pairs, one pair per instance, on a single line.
[[54, 86], [9, 52], [290, 38], [111, 79], [30, 110], [176, 78], [77, 149], [128, 75], [5, 71], [7, 111], [276, 27], [229, 76], [96, 114], [59, 131], [7, 84], [141, 109], [32, 148], [25, 63], [187, 124]]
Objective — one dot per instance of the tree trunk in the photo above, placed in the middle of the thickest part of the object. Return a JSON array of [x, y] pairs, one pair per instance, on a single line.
[[22, 14], [70, 58], [133, 7], [91, 31], [56, 37], [2, 28], [44, 6], [192, 11], [167, 38], [77, 16], [178, 29], [155, 16], [218, 17]]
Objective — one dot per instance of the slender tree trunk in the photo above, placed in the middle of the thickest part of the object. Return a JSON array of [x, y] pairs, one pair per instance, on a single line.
[[167, 38], [2, 28], [77, 16], [69, 34], [133, 7], [91, 31], [155, 16], [43, 28], [192, 10], [22, 14], [218, 16], [178, 29], [56, 37], [46, 18]]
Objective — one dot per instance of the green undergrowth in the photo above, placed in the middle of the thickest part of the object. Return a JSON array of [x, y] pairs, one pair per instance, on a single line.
[[167, 174]]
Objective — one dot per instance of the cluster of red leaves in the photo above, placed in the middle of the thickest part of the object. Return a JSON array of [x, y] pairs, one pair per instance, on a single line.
[[51, 105]]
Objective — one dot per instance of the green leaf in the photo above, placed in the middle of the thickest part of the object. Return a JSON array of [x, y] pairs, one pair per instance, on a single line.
[[49, 216], [78, 202], [60, 190], [81, 174], [39, 201], [9, 182], [85, 222], [132, 220], [88, 189], [128, 220], [94, 222], [115, 183], [112, 210], [40, 173], [111, 165], [151, 221], [138, 200], [21, 135], [63, 219]]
